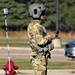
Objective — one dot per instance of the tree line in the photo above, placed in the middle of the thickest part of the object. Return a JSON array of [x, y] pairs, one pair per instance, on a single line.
[[18, 18]]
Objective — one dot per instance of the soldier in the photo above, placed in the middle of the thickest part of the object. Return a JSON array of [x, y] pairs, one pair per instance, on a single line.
[[40, 42]]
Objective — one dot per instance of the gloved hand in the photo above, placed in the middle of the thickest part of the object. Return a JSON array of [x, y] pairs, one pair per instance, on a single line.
[[57, 33], [48, 54]]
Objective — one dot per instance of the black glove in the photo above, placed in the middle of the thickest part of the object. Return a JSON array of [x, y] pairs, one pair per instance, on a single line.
[[48, 54], [57, 33]]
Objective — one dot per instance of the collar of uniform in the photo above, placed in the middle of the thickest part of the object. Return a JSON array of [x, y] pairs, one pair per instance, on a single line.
[[36, 21]]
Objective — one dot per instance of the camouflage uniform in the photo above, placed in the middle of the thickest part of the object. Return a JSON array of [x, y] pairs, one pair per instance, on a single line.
[[38, 40]]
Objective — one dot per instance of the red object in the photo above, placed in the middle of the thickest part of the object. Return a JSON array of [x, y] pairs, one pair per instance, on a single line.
[[12, 68]]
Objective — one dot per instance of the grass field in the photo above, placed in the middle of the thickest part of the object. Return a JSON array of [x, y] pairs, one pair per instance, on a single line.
[[19, 39], [22, 42], [14, 40], [26, 65]]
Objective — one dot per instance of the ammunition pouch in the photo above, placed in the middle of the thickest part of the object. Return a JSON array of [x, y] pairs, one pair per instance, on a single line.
[[48, 46], [43, 49], [44, 45]]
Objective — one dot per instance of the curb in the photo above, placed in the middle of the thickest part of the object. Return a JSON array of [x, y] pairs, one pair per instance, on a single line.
[[19, 48], [49, 71]]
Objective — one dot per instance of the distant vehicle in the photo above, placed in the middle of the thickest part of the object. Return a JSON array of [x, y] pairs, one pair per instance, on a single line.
[[70, 49]]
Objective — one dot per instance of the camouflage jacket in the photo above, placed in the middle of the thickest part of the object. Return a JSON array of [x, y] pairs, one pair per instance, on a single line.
[[37, 35]]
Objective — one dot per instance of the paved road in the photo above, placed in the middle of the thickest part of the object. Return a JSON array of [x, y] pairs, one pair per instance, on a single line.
[[56, 55]]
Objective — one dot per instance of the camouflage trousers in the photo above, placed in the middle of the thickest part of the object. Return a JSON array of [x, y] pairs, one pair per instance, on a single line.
[[39, 65]]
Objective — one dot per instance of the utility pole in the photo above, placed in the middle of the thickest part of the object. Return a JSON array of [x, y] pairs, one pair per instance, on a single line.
[[57, 41], [57, 20]]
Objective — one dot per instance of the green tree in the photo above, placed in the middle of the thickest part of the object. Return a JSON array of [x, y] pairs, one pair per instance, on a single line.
[[18, 14]]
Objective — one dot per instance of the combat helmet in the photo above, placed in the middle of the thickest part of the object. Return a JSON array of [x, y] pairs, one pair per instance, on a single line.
[[36, 10]]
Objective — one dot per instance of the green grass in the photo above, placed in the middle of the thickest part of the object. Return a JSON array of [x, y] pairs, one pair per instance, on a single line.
[[22, 64], [14, 45], [23, 42], [66, 40], [14, 40], [61, 65], [26, 40], [26, 65]]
